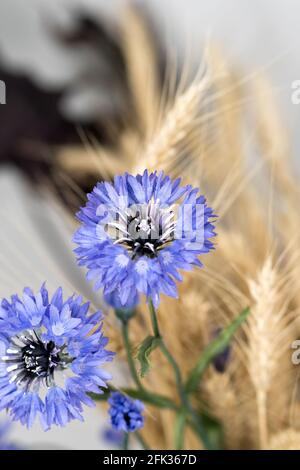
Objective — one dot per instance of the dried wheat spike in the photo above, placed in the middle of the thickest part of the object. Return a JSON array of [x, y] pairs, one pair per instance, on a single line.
[[176, 127], [268, 335]]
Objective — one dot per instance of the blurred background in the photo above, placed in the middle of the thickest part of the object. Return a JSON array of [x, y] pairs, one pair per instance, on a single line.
[[64, 72]]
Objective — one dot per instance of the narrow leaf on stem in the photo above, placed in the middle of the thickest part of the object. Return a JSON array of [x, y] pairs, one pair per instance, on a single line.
[[147, 397], [213, 349], [145, 349]]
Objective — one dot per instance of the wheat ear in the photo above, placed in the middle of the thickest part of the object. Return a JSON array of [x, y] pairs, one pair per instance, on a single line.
[[267, 336], [175, 128]]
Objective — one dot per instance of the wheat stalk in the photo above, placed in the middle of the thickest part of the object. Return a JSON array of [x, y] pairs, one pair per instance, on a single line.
[[176, 127], [267, 333]]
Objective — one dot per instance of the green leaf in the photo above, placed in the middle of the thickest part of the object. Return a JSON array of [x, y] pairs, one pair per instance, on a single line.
[[213, 349], [152, 398], [214, 430], [147, 397], [208, 428], [145, 349]]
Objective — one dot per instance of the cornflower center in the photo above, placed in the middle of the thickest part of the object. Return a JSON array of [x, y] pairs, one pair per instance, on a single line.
[[29, 360], [144, 229]]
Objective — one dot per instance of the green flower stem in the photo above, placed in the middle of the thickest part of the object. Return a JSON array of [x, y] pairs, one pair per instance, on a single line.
[[196, 424], [125, 442], [167, 354], [185, 403], [199, 431], [179, 381], [133, 371], [154, 319], [179, 430]]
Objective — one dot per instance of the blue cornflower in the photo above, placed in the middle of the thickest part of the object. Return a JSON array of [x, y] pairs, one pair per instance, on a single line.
[[51, 353], [138, 232], [125, 414]]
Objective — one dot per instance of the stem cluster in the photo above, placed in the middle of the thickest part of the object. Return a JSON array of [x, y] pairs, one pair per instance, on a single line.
[[186, 414]]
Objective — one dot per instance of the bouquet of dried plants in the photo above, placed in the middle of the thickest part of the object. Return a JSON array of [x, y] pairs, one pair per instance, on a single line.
[[220, 131]]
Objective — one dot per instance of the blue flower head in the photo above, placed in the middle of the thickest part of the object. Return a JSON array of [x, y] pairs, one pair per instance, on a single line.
[[51, 356], [125, 414], [137, 233]]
